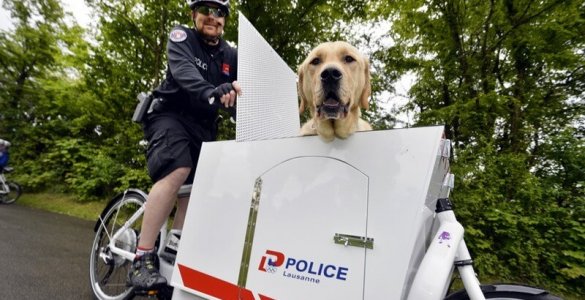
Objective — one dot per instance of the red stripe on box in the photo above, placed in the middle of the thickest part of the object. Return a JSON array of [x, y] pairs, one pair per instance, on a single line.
[[214, 286]]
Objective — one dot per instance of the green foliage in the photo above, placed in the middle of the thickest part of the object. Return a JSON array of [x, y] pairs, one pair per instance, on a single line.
[[27, 54], [293, 28], [516, 228], [89, 170], [506, 80]]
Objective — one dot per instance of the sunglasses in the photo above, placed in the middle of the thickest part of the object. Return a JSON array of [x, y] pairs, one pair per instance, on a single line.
[[206, 10]]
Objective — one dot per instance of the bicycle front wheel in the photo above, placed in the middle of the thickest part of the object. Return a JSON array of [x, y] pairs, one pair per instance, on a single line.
[[108, 271], [507, 292], [13, 194]]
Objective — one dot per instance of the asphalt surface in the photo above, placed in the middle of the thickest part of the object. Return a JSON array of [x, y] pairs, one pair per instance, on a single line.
[[43, 255]]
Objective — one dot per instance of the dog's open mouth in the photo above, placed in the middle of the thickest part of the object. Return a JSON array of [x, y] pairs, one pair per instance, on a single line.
[[332, 108]]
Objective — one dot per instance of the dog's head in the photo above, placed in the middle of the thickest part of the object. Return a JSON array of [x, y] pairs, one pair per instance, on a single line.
[[334, 80]]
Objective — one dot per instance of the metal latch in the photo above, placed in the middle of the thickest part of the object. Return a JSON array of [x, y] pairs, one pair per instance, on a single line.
[[354, 240], [445, 148]]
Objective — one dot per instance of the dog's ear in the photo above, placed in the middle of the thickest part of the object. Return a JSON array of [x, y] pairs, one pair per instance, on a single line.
[[367, 90], [300, 88]]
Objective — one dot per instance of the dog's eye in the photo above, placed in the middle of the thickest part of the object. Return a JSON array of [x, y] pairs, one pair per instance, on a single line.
[[315, 61], [349, 59]]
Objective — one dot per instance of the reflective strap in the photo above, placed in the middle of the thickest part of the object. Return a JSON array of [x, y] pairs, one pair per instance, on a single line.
[[249, 240]]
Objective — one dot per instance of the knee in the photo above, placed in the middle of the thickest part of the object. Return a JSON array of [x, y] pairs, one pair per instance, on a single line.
[[178, 176]]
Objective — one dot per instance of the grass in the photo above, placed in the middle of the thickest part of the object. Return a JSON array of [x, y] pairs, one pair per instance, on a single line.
[[63, 204]]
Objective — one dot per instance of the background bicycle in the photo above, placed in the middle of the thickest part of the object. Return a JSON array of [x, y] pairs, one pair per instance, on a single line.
[[9, 191]]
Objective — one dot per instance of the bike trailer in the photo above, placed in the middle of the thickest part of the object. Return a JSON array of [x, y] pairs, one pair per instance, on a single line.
[[297, 218]]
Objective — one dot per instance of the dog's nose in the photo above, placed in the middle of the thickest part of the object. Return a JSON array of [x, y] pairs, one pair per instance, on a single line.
[[331, 75]]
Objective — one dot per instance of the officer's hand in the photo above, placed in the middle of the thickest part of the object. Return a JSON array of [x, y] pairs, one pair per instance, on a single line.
[[226, 93]]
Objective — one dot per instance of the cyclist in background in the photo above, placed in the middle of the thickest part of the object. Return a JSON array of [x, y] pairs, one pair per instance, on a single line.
[[4, 156], [201, 68]]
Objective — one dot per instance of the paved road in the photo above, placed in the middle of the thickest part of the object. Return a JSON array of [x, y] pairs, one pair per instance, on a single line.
[[43, 255]]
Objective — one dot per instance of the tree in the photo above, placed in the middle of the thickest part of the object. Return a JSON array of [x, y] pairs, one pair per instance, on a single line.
[[506, 80], [27, 54], [40, 102]]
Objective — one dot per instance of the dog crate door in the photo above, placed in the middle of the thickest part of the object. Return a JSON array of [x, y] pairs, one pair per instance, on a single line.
[[309, 225]]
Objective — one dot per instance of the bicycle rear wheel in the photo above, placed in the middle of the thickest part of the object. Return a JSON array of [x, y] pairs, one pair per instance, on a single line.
[[108, 271], [13, 195]]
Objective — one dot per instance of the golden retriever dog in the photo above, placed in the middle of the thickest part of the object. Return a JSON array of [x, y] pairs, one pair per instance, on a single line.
[[334, 83]]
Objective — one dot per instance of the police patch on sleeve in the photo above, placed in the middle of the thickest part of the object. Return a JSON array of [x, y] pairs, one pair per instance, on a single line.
[[178, 35]]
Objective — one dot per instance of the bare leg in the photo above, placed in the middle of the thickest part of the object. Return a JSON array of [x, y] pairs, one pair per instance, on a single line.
[[182, 205], [161, 200]]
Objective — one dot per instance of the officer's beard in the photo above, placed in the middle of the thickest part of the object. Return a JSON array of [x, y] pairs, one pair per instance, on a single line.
[[211, 40]]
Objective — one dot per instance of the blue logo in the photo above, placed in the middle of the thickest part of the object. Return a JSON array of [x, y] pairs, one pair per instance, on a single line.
[[301, 269]]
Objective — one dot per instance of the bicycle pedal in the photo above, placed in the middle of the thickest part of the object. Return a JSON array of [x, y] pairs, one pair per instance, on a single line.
[[141, 293], [147, 293]]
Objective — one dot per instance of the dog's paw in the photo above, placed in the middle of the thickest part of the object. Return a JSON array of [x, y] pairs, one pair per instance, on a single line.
[[327, 139], [343, 135], [325, 130]]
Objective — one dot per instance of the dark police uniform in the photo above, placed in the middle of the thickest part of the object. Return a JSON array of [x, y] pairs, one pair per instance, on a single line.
[[184, 119]]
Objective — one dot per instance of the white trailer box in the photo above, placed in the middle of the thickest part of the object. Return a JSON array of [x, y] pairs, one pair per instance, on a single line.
[[297, 218]]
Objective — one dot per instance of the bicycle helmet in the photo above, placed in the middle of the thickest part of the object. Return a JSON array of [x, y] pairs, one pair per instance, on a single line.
[[223, 4]]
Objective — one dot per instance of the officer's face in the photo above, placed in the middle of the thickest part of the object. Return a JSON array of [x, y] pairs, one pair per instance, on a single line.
[[208, 25]]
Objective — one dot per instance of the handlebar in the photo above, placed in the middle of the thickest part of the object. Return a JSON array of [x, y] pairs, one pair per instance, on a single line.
[[231, 110]]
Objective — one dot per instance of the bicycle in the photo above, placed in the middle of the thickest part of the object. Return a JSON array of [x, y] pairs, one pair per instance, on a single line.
[[113, 250], [117, 231], [9, 191], [118, 228]]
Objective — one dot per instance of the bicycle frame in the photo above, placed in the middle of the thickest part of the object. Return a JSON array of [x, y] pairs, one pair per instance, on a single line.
[[165, 267], [447, 249], [3, 186], [116, 250]]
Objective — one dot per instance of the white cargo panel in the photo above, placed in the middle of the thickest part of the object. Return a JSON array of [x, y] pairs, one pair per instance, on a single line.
[[269, 106], [297, 218]]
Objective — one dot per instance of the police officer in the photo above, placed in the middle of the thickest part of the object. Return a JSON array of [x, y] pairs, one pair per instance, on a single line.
[[202, 69]]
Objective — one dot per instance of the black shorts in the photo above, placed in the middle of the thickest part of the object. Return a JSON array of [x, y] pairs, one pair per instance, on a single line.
[[173, 142]]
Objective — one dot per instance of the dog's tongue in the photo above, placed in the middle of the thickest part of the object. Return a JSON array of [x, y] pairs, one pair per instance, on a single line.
[[331, 109], [331, 103]]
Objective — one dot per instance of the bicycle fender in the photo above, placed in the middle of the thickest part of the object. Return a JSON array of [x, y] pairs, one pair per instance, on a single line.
[[113, 200], [513, 288]]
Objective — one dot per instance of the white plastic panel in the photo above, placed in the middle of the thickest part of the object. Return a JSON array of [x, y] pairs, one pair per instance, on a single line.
[[401, 168], [268, 108]]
